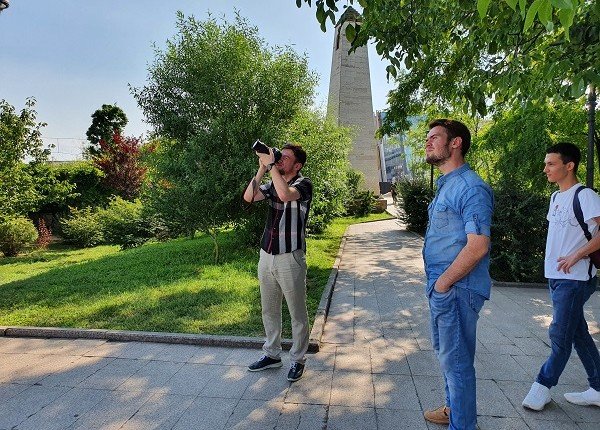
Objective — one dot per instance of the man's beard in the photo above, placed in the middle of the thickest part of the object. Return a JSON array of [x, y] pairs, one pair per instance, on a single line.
[[439, 159]]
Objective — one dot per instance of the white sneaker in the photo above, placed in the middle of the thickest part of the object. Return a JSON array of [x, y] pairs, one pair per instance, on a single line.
[[537, 398], [587, 398]]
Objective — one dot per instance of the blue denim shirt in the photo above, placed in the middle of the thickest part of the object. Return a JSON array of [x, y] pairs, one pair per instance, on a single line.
[[463, 204]]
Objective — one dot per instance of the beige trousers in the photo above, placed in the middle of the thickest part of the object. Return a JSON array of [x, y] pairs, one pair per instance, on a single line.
[[284, 275]]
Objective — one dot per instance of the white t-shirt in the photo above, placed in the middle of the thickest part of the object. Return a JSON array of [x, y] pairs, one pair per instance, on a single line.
[[565, 235]]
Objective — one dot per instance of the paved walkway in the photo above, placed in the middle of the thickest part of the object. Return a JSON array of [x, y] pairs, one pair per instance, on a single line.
[[376, 369]]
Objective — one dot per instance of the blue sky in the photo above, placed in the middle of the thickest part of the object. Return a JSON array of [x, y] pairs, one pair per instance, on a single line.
[[75, 55]]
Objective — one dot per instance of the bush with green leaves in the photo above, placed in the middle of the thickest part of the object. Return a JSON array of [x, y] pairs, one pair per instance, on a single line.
[[362, 204], [123, 223], [89, 189], [83, 228], [213, 90], [519, 231], [414, 197], [15, 233], [327, 146]]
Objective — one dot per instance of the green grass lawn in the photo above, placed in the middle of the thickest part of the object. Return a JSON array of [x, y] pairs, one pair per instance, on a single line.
[[169, 287]]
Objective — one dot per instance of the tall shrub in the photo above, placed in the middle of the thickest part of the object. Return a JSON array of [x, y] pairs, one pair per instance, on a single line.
[[214, 90], [120, 160], [518, 233], [20, 139], [415, 196], [327, 146], [15, 233]]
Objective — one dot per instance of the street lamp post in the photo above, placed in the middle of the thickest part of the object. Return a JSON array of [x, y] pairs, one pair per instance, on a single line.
[[591, 108]]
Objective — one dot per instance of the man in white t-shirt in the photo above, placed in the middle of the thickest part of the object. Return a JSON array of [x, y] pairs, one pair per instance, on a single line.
[[571, 279]]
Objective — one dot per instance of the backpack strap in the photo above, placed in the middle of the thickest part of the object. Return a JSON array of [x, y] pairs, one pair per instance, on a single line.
[[582, 224], [579, 214]]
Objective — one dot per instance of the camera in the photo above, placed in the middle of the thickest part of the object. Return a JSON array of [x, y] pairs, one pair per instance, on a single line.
[[260, 147]]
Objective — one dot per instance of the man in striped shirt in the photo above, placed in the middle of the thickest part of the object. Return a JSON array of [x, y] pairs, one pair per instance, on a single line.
[[282, 263]]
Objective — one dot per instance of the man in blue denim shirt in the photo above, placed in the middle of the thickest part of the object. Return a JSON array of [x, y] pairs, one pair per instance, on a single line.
[[456, 256]]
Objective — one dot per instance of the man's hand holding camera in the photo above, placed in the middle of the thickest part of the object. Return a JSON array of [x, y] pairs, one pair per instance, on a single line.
[[266, 161]]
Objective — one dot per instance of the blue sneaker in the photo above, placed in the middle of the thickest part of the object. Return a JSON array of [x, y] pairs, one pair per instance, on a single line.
[[265, 362], [295, 372]]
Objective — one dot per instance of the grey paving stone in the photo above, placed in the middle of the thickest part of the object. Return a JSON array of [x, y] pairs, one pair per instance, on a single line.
[[499, 367], [206, 413], [390, 361], [491, 400], [267, 386], [395, 392], [388, 419], [32, 345], [161, 411], [344, 390], [191, 379], [300, 416], [151, 377], [107, 349], [423, 363], [351, 358], [499, 348], [20, 368], [64, 410], [113, 374], [532, 346], [229, 382], [79, 369], [322, 361], [178, 353], [243, 357], [210, 355], [254, 415], [430, 390], [8, 391], [142, 350], [498, 423], [534, 424], [530, 364], [27, 403], [113, 411], [313, 388], [344, 418]]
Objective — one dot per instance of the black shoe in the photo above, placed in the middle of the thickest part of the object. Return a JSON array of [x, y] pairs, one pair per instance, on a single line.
[[295, 372], [265, 362]]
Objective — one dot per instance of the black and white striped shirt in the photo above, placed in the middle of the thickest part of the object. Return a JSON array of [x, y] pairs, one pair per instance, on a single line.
[[285, 230]]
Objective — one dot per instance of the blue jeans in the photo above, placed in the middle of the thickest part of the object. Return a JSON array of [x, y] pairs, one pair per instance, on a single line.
[[454, 316], [568, 329]]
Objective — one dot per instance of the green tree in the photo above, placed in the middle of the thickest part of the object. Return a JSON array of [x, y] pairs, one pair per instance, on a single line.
[[106, 122], [327, 145], [501, 50], [517, 139], [214, 90], [20, 140]]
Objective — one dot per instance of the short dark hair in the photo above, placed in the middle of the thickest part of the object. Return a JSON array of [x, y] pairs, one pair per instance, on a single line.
[[568, 153], [299, 152], [454, 129]]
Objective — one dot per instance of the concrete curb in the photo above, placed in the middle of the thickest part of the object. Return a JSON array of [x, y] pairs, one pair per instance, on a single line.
[[502, 284], [136, 336], [323, 310], [188, 338]]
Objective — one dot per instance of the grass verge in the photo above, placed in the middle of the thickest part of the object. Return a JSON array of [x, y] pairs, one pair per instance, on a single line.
[[166, 287]]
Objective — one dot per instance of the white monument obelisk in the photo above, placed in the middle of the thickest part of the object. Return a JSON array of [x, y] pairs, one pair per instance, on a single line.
[[350, 101]]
